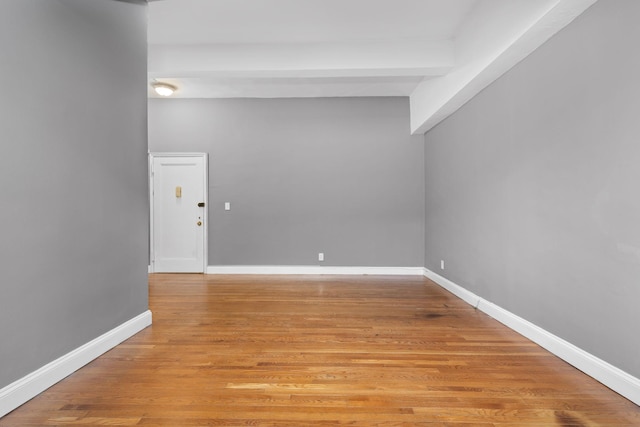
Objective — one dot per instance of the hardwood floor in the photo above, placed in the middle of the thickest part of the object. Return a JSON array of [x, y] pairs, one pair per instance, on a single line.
[[321, 351]]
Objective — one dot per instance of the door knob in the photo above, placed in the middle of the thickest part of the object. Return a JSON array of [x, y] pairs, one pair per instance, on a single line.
[[199, 223]]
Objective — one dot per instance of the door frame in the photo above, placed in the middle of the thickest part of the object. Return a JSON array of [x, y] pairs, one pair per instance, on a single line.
[[205, 214]]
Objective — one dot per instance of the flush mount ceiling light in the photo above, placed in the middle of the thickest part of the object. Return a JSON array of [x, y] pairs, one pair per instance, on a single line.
[[163, 89]]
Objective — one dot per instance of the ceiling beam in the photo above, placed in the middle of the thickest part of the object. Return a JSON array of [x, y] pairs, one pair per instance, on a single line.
[[301, 60], [497, 37]]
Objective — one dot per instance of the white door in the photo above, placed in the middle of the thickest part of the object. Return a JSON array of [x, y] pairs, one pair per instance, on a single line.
[[178, 187]]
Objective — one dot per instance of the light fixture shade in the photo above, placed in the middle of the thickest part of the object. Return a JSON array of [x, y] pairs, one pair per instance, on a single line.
[[163, 89]]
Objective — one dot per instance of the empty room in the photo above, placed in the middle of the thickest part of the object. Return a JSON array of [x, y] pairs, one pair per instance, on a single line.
[[320, 212]]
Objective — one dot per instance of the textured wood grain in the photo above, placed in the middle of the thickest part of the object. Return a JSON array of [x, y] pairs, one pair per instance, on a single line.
[[318, 351]]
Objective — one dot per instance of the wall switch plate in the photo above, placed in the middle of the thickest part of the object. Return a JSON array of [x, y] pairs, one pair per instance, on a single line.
[[441, 264], [321, 256], [227, 206]]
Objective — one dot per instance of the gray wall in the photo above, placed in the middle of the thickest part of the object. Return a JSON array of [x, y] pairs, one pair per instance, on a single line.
[[533, 187], [335, 175], [73, 215]]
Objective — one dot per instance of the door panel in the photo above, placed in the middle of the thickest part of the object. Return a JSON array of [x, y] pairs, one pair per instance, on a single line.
[[178, 223]]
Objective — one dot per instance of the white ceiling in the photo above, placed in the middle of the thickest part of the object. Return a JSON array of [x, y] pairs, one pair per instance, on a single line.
[[303, 21], [438, 52]]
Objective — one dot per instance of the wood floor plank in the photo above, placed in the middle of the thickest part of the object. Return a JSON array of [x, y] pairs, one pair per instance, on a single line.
[[321, 351]]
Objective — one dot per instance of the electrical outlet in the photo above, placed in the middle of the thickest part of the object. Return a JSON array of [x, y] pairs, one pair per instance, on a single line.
[[441, 264], [321, 256], [227, 206]]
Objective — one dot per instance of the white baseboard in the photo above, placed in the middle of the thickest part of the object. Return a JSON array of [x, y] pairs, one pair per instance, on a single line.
[[26, 388], [312, 269], [614, 378]]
